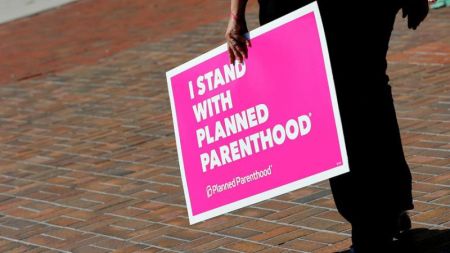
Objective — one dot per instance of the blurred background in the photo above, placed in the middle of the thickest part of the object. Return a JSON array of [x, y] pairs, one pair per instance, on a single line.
[[14, 9]]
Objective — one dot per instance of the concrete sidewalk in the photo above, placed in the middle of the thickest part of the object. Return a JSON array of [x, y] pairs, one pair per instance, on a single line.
[[87, 152]]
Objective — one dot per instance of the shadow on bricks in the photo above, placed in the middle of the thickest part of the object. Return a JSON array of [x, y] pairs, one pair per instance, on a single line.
[[422, 240]]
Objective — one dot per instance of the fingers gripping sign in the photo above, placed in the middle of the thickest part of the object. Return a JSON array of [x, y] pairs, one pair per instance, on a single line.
[[237, 35]]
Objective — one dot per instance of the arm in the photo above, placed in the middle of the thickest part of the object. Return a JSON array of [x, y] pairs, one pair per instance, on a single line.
[[237, 26]]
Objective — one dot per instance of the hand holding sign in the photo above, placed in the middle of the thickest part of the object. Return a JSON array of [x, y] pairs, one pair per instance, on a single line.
[[236, 41]]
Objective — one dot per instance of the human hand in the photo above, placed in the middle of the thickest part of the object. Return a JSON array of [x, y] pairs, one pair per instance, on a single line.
[[237, 41], [416, 11]]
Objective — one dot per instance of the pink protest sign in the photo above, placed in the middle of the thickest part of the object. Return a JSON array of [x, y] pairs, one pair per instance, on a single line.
[[249, 132]]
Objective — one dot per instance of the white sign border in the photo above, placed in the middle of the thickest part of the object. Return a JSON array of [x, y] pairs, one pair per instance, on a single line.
[[310, 8]]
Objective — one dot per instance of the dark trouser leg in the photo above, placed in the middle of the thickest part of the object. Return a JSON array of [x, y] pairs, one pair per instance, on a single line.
[[379, 184], [378, 187]]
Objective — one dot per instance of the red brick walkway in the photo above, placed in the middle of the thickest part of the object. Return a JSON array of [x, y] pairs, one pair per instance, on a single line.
[[87, 152], [85, 31]]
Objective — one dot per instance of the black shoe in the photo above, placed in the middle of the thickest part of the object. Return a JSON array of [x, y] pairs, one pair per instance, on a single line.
[[403, 224], [351, 250]]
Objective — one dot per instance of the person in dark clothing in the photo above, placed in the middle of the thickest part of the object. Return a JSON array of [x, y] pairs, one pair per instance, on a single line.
[[375, 195]]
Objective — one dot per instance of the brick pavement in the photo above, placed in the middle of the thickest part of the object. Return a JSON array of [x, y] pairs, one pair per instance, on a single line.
[[85, 31], [88, 157]]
